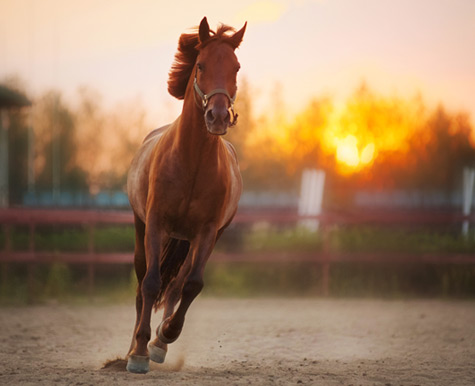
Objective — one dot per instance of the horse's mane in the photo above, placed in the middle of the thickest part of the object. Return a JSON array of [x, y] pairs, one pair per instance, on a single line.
[[185, 58]]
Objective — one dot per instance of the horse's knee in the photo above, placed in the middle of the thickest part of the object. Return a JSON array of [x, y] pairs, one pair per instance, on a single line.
[[193, 287], [150, 286]]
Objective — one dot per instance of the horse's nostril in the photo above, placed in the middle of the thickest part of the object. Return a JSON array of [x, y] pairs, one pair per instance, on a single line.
[[218, 116], [227, 119], [210, 116]]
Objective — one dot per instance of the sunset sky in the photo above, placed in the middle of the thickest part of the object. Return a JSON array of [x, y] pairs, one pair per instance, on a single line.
[[124, 49]]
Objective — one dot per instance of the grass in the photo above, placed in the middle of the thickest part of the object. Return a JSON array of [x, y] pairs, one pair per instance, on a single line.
[[69, 284], [73, 239], [370, 239], [295, 239], [117, 283], [39, 283]]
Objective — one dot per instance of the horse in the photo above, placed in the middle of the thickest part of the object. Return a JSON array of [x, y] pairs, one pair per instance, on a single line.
[[184, 185]]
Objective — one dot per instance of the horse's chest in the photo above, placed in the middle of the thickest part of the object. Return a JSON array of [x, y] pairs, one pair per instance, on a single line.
[[191, 204]]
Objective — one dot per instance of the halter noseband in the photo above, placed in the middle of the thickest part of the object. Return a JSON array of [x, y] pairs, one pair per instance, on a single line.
[[206, 97]]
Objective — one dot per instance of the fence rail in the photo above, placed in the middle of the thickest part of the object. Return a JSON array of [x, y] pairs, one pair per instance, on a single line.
[[23, 216], [32, 218]]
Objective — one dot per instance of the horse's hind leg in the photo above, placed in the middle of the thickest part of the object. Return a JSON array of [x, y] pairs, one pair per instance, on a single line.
[[170, 328], [157, 348], [174, 293], [140, 266]]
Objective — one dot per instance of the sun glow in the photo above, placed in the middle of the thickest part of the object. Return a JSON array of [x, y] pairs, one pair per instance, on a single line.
[[347, 151], [367, 154], [349, 154]]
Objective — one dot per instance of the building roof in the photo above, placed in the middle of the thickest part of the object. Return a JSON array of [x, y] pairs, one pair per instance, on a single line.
[[10, 98]]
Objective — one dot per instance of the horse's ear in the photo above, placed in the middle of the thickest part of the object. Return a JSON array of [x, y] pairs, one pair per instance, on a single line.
[[204, 30], [236, 39]]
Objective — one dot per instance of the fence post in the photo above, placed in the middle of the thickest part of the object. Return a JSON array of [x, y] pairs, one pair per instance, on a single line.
[[90, 265], [4, 287], [5, 270], [468, 187], [325, 286], [5, 265], [8, 238], [4, 126], [30, 279]]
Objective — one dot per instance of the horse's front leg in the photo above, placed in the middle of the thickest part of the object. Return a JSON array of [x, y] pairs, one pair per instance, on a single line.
[[140, 270], [138, 359], [200, 248]]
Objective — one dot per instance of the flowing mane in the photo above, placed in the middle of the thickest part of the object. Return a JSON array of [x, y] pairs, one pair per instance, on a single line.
[[185, 58]]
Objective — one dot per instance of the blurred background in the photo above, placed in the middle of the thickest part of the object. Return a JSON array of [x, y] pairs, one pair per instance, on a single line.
[[355, 137]]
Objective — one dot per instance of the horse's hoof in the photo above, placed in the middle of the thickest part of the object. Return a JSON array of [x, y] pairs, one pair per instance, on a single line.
[[162, 337], [138, 364], [157, 354]]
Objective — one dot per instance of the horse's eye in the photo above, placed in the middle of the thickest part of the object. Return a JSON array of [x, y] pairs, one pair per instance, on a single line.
[[199, 66]]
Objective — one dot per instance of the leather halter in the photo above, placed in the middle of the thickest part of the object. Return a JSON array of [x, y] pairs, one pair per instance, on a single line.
[[206, 97]]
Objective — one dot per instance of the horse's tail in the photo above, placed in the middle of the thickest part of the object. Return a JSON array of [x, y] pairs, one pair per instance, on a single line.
[[171, 261]]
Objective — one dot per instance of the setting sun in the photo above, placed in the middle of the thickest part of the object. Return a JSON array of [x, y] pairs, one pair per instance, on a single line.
[[367, 154], [348, 153]]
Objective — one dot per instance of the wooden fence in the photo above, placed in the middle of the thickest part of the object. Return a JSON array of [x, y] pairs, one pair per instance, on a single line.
[[90, 219]]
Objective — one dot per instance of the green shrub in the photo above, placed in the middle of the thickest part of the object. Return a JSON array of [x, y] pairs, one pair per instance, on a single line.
[[58, 281], [114, 238]]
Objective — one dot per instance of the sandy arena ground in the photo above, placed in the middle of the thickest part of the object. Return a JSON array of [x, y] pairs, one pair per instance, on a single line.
[[242, 342]]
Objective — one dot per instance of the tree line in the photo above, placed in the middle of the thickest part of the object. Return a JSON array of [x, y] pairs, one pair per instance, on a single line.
[[83, 146]]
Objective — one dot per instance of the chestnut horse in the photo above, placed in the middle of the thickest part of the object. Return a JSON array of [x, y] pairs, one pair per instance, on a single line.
[[184, 186]]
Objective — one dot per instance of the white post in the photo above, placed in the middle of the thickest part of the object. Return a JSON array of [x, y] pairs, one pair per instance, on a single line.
[[468, 182], [311, 197], [303, 193]]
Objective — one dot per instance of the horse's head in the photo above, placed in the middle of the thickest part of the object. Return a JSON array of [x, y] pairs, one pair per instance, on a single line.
[[215, 74]]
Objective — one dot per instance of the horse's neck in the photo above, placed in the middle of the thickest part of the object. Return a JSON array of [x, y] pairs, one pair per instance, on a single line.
[[191, 136]]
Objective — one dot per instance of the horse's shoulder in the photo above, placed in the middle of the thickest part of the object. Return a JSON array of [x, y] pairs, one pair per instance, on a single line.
[[156, 132], [231, 149]]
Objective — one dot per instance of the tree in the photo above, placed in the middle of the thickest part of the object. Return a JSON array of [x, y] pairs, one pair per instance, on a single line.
[[56, 146], [443, 149], [108, 140], [304, 142], [18, 133], [239, 135]]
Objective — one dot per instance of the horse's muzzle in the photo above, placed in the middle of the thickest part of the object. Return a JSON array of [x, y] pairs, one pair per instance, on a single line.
[[217, 119]]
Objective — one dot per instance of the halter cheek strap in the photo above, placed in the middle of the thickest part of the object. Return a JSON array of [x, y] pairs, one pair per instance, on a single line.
[[206, 97]]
